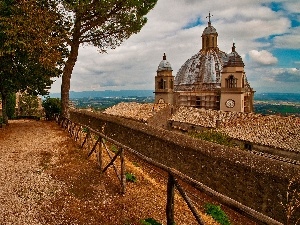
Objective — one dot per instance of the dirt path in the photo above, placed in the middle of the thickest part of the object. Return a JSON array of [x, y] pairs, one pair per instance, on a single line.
[[25, 186], [45, 178]]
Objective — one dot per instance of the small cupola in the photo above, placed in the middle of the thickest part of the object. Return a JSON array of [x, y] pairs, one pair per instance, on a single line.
[[234, 59], [164, 64], [209, 36]]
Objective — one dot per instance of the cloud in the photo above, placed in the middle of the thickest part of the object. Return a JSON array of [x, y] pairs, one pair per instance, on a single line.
[[287, 75], [263, 57], [292, 6], [175, 27], [289, 40]]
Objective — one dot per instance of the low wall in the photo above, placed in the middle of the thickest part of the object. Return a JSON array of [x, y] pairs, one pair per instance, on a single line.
[[175, 125], [257, 182]]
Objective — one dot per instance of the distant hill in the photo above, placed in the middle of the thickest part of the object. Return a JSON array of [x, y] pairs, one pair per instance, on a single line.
[[107, 93], [279, 97], [289, 97]]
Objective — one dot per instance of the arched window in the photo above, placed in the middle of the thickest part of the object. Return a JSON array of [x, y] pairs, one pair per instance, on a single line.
[[161, 84], [171, 84], [243, 81], [231, 82]]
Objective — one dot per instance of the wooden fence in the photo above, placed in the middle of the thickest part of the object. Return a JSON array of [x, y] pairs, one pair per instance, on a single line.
[[99, 145]]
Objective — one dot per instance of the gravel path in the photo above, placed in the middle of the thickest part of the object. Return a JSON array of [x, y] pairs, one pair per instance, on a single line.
[[45, 178], [25, 187]]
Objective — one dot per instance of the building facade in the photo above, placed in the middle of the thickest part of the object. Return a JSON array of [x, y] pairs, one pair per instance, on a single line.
[[211, 79]]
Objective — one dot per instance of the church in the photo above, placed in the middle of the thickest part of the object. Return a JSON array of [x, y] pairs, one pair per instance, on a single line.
[[211, 79]]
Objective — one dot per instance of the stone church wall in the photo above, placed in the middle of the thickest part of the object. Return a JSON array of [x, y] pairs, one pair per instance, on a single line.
[[257, 182]]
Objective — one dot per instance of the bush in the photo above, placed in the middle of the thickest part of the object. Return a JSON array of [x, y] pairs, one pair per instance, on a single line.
[[217, 213], [28, 105], [51, 106], [130, 177], [149, 221], [214, 136], [11, 106]]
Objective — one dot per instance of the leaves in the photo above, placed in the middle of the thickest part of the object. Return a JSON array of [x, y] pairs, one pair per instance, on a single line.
[[31, 46]]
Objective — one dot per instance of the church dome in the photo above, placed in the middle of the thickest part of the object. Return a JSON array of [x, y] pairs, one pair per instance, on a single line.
[[209, 30], [164, 64], [203, 68]]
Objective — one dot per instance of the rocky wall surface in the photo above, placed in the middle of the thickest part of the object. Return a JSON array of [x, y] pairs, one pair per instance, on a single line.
[[255, 181]]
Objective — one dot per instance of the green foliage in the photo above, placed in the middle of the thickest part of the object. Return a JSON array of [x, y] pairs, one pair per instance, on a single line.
[[214, 136], [28, 105], [136, 164], [149, 221], [85, 129], [114, 149], [1, 120], [31, 48], [108, 25], [217, 213], [51, 106], [130, 177], [11, 105]]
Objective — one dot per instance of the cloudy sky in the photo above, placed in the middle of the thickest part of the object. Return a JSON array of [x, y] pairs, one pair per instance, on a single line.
[[266, 34]]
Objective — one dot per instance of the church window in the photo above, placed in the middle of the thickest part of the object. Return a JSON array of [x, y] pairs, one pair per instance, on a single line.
[[231, 82], [198, 101], [171, 84], [161, 84], [207, 42], [243, 82]]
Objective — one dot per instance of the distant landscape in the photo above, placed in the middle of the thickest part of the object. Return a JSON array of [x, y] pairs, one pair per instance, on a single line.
[[264, 103]]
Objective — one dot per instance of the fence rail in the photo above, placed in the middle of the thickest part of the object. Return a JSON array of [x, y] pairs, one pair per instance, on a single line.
[[74, 130]]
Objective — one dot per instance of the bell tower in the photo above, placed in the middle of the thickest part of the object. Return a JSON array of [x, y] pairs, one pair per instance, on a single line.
[[164, 83], [233, 83]]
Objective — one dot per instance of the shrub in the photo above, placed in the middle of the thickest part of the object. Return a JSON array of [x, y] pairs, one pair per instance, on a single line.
[[114, 149], [214, 136], [11, 105], [28, 105], [85, 129], [130, 177], [51, 106], [217, 213], [149, 221]]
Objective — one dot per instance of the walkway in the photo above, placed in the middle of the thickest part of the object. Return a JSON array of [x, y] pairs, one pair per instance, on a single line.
[[45, 178]]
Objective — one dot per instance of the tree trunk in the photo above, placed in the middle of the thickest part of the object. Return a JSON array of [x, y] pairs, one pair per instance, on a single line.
[[66, 78], [68, 69], [4, 107]]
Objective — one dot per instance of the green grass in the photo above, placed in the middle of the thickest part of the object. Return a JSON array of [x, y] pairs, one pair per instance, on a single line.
[[130, 177], [217, 214], [149, 221], [214, 136]]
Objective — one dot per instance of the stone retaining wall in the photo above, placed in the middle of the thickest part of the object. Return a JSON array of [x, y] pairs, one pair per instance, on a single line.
[[186, 127], [255, 181]]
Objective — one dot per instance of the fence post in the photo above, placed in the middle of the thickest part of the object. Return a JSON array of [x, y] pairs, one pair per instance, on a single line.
[[123, 175], [99, 154], [170, 200]]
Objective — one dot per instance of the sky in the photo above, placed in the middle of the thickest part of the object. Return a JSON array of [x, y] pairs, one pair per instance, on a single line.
[[266, 34]]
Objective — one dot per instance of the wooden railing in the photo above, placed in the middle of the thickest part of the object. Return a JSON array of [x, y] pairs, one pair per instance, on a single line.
[[76, 130]]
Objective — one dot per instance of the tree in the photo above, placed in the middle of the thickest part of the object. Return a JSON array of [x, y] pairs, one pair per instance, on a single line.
[[31, 47], [51, 106], [104, 24]]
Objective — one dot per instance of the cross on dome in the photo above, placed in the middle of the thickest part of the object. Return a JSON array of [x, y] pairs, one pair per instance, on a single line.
[[209, 16]]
